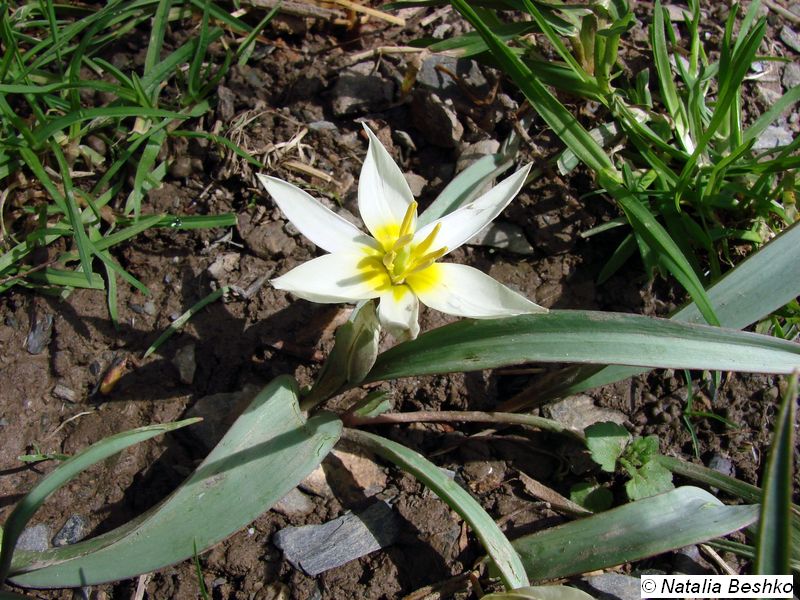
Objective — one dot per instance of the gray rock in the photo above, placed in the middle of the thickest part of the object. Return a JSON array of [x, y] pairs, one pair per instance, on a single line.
[[790, 38], [611, 586], [72, 532], [315, 549], [359, 89], [322, 126], [181, 167], [184, 361], [39, 335], [62, 392], [432, 78], [225, 103], [223, 265], [579, 412], [35, 538], [436, 119], [295, 504], [265, 240], [689, 562], [218, 412], [149, 308], [773, 137], [504, 236], [791, 75], [475, 152], [416, 182], [722, 464]]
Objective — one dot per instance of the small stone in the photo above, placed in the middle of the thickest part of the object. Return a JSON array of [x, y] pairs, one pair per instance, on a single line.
[[322, 126], [317, 483], [97, 144], [267, 240], [790, 38], [218, 412], [611, 586], [485, 475], [62, 392], [225, 103], [149, 308], [348, 471], [791, 75], [722, 464], [676, 12], [34, 539], [504, 236], [434, 76], [689, 562], [223, 265], [416, 182], [294, 505], [181, 167], [436, 119], [39, 335], [315, 549], [475, 152], [579, 412], [360, 89], [136, 307], [185, 362], [773, 137], [72, 532], [404, 140]]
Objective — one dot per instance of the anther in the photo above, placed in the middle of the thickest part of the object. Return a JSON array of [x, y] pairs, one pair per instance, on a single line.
[[428, 241], [408, 219]]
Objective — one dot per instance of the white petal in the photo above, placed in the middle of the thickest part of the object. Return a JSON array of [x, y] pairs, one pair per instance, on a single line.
[[399, 312], [462, 224], [334, 278], [383, 193], [325, 228], [467, 292]]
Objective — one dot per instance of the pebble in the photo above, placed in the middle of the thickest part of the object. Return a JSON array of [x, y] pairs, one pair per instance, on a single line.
[[772, 137], [722, 464], [39, 335], [611, 586], [35, 538], [436, 119], [790, 38], [62, 392], [72, 532], [689, 562], [225, 103], [322, 126], [149, 308], [315, 549], [579, 412], [475, 152], [431, 78], [181, 167], [504, 236], [353, 474], [416, 182], [218, 411], [791, 75], [360, 89], [184, 361], [223, 265], [294, 505]]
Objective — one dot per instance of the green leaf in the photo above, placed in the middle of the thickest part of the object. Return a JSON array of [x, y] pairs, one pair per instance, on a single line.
[[648, 480], [682, 517], [774, 540], [606, 443], [493, 540], [584, 337], [738, 300], [541, 592], [67, 471], [267, 451], [591, 496]]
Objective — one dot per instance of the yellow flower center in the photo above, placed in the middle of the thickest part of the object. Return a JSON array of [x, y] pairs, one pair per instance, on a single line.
[[401, 258]]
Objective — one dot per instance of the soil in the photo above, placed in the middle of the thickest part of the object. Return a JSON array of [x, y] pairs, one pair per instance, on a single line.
[[51, 403]]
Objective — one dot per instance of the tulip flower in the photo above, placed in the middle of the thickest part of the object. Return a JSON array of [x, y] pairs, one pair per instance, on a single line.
[[398, 263]]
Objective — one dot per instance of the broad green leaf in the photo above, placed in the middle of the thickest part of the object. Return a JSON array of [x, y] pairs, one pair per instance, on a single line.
[[648, 480], [682, 517], [584, 337], [774, 541], [738, 300], [541, 592], [267, 451], [591, 496], [67, 471], [606, 443], [493, 540]]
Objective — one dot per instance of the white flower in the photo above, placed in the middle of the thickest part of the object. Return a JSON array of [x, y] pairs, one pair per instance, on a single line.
[[397, 263]]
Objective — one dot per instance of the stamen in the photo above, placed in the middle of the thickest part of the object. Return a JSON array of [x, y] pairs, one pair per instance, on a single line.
[[402, 241], [408, 219], [388, 260], [432, 256], [428, 241]]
